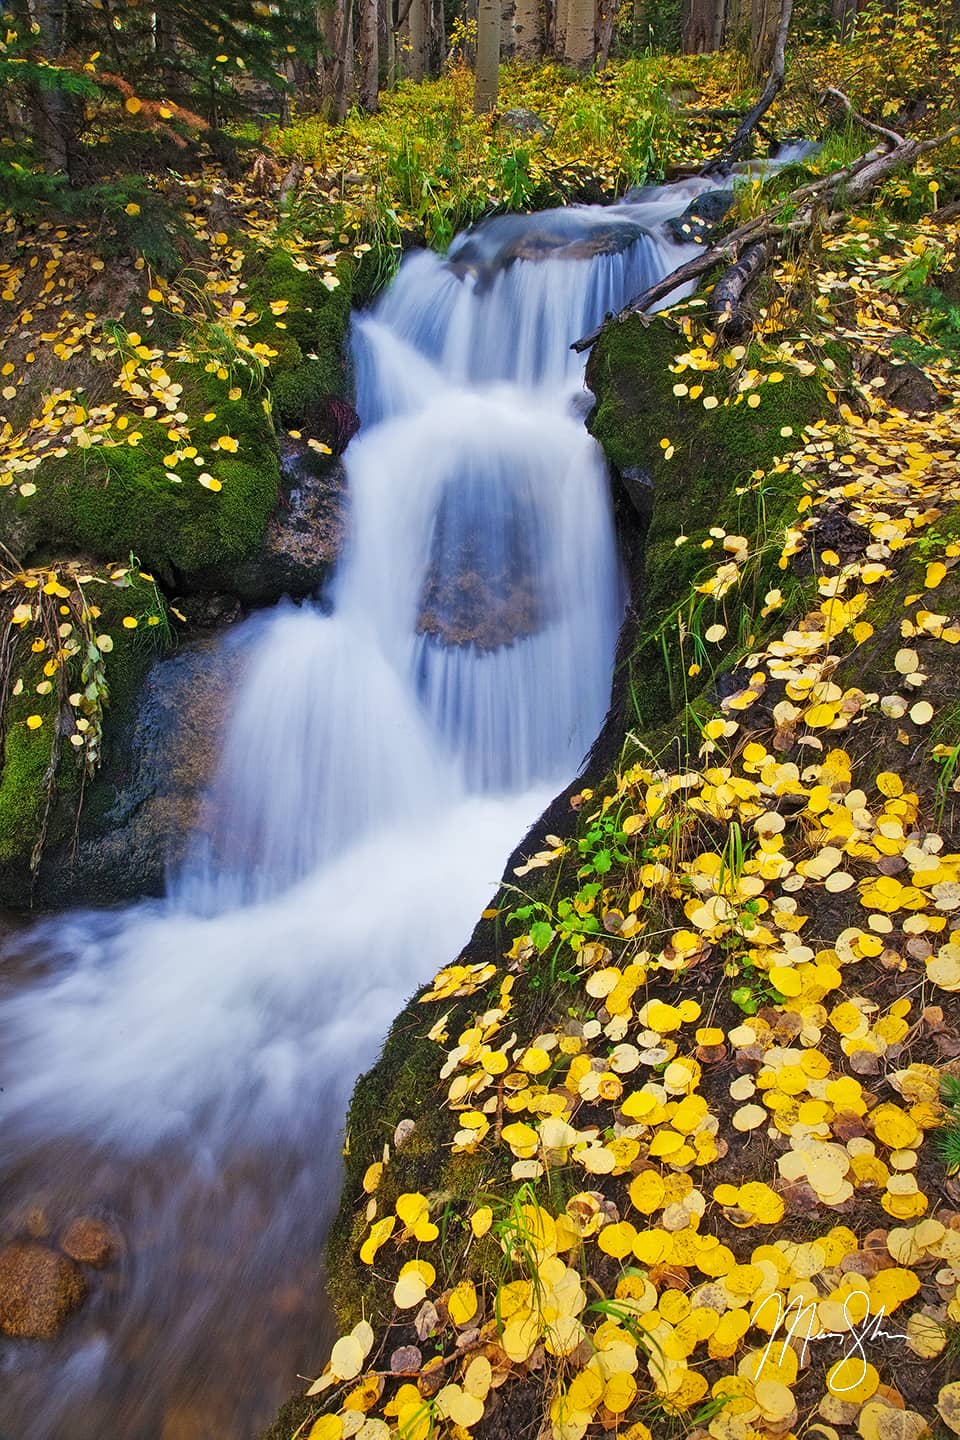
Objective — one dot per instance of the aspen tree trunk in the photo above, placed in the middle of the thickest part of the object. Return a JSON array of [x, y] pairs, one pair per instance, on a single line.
[[508, 12], [579, 41], [417, 20], [764, 19], [343, 58], [844, 14], [487, 74], [526, 29], [561, 16], [702, 26], [369, 54], [606, 21]]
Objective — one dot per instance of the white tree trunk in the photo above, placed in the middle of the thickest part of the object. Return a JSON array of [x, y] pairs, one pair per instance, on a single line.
[[487, 74]]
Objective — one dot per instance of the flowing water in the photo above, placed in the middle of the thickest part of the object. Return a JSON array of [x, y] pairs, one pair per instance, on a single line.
[[182, 1068]]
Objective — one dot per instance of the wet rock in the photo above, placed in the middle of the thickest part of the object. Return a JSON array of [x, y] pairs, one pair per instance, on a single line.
[[478, 593], [305, 533], [39, 1291], [524, 122], [208, 610], [638, 483], [91, 1242], [567, 234], [139, 813], [904, 386], [701, 216]]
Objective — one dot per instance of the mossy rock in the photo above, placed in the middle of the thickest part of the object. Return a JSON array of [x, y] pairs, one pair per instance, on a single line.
[[688, 470], [308, 336], [119, 500], [30, 754]]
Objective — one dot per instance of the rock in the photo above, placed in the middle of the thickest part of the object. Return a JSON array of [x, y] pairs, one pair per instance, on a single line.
[[524, 122], [304, 535], [91, 1242], [477, 592], [139, 813], [701, 216], [39, 1291], [208, 610], [557, 234], [904, 386]]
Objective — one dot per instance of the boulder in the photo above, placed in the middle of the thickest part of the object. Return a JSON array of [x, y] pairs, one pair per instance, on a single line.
[[39, 1291], [524, 122], [701, 216], [141, 809], [90, 1241], [303, 537]]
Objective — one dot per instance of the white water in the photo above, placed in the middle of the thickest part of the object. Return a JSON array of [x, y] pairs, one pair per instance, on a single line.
[[184, 1067]]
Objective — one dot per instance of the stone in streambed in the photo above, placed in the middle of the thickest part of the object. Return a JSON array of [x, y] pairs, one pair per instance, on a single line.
[[39, 1291], [90, 1241]]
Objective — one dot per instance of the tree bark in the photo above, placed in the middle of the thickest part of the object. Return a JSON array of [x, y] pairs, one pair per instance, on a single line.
[[343, 58], [369, 54], [417, 67], [526, 30], [764, 20], [487, 73], [580, 38], [844, 13], [508, 13], [606, 22], [702, 26], [561, 16]]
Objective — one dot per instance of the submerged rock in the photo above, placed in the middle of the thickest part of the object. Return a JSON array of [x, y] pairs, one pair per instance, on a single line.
[[39, 1291], [90, 1241]]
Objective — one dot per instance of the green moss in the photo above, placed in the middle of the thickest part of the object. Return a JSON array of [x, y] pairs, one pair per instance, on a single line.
[[28, 753], [308, 336], [118, 500], [710, 480]]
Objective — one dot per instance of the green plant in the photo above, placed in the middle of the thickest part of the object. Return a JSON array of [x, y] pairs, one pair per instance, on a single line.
[[948, 1136]]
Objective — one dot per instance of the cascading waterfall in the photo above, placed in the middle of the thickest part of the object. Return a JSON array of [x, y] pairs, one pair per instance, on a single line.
[[183, 1067]]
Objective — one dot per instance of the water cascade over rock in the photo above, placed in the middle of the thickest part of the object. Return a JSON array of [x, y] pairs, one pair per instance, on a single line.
[[180, 1070]]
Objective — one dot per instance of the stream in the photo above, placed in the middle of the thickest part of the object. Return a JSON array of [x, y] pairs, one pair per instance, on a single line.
[[181, 1068]]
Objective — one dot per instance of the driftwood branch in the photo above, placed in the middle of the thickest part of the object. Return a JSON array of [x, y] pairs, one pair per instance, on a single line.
[[829, 197], [772, 87], [727, 299]]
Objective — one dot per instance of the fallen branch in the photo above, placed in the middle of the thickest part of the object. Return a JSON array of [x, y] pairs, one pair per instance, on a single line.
[[843, 189], [837, 98], [727, 299]]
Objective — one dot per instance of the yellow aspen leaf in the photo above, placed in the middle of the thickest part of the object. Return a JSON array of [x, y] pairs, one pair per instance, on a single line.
[[481, 1220], [462, 1303]]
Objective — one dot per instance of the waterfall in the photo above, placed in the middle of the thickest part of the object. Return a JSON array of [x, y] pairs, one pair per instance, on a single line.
[[184, 1066]]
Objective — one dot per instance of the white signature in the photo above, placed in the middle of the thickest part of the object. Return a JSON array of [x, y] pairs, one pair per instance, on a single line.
[[859, 1334]]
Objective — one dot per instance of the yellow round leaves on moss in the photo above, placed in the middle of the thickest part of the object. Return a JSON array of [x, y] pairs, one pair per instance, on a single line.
[[462, 1303]]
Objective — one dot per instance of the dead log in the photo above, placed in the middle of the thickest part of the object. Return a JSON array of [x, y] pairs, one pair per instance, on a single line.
[[727, 299], [826, 200]]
